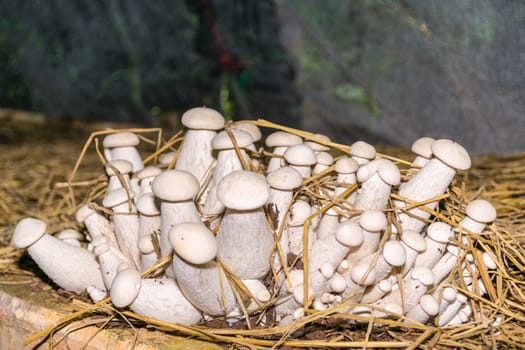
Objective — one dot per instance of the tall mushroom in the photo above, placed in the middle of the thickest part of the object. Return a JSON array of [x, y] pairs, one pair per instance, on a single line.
[[432, 180], [121, 145], [72, 268], [302, 158], [196, 153], [377, 178], [244, 227], [280, 141], [176, 190]]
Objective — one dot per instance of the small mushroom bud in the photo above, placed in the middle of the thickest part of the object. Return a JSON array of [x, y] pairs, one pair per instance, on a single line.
[[436, 240], [425, 309], [362, 152], [302, 158], [280, 141], [122, 146]]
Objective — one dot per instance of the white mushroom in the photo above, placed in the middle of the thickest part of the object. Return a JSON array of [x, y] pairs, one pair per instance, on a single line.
[[97, 225], [479, 213], [280, 141], [122, 146], [125, 221], [70, 236], [324, 161], [414, 244], [297, 215], [109, 260], [377, 291], [432, 180], [451, 310], [346, 169], [227, 161], [415, 285], [206, 286], [302, 158], [377, 178], [176, 190], [72, 268], [118, 170], [244, 227], [146, 177], [422, 147], [436, 240], [373, 223], [196, 153], [424, 310], [362, 152], [392, 255], [156, 298], [149, 229]]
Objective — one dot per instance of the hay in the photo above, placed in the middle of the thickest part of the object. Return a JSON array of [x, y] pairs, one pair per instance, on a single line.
[[37, 180]]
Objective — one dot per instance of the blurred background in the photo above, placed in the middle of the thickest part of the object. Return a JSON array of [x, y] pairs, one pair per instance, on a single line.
[[386, 72]]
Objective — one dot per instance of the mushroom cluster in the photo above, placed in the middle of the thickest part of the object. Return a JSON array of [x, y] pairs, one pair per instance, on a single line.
[[288, 223]]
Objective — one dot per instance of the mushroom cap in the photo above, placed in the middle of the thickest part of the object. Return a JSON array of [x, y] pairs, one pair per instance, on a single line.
[[222, 140], [449, 294], [394, 253], [282, 139], [70, 233], [362, 149], [451, 153], [175, 186], [423, 275], [388, 172], [349, 233], [300, 154], [122, 166], [100, 248], [318, 147], [385, 285], [324, 158], [285, 178], [165, 159], [362, 274], [193, 242], [27, 232], [488, 261], [83, 213], [250, 128], [429, 304], [202, 118], [338, 283], [145, 244], [120, 139], [423, 147], [125, 287], [243, 190], [439, 231], [298, 213], [116, 197], [146, 205], [149, 171], [346, 165], [414, 240], [373, 220], [481, 210]]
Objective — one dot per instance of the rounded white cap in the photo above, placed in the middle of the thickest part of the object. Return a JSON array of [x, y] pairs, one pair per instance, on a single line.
[[423, 147], [121, 165], [116, 197], [338, 283], [394, 253], [125, 287], [193, 242], [27, 232], [175, 186], [362, 149], [349, 233], [149, 171], [439, 231], [145, 244], [429, 305], [282, 139], [346, 165], [69, 233], [285, 178], [414, 240], [362, 274], [222, 140], [423, 275], [250, 128], [318, 147], [83, 213], [146, 205], [120, 139], [165, 159], [243, 190], [481, 210], [300, 154], [325, 158], [385, 285], [451, 153], [449, 294], [202, 118], [373, 220], [388, 172], [488, 261], [298, 213]]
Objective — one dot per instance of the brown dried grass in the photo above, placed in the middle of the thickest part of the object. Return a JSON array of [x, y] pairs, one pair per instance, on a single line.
[[37, 180]]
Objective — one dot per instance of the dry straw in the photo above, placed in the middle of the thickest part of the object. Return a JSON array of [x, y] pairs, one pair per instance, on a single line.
[[34, 183]]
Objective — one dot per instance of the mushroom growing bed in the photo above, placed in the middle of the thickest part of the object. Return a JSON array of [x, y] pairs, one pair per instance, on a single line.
[[338, 245]]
